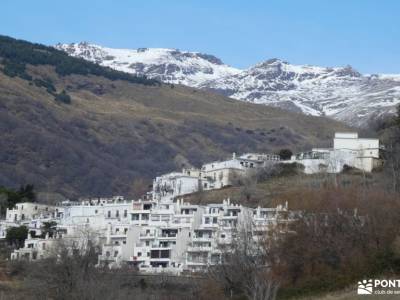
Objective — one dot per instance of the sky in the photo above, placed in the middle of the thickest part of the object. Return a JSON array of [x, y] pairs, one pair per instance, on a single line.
[[362, 33]]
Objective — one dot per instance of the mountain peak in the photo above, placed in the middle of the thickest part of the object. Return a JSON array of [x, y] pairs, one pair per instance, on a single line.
[[168, 65], [348, 71]]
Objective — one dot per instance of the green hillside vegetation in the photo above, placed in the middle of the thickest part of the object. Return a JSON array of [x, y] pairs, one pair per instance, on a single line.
[[16, 54], [117, 130]]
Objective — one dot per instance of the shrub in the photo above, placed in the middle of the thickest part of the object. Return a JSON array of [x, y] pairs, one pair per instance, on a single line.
[[285, 154], [63, 97], [47, 83]]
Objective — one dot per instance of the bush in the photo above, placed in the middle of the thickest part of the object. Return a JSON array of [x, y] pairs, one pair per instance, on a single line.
[[47, 83], [285, 154], [63, 97]]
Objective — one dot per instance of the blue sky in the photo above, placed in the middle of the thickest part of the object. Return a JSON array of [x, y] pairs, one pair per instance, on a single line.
[[362, 33]]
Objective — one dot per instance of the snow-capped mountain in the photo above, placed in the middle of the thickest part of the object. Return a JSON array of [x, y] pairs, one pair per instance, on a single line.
[[341, 93], [168, 65]]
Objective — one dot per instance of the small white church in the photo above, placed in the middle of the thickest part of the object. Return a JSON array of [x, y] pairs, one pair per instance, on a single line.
[[348, 150]]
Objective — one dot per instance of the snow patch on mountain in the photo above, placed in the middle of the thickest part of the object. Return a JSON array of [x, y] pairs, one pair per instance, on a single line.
[[167, 65], [341, 93]]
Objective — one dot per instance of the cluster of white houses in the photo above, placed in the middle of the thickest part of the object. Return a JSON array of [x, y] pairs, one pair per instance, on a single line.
[[152, 235], [160, 231], [214, 175]]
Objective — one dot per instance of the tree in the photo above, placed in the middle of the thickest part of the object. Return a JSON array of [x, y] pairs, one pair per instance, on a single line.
[[285, 154], [49, 228], [10, 197], [16, 236], [246, 266], [338, 236]]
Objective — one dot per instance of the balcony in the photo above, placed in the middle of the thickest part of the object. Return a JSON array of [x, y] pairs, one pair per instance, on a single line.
[[160, 247], [144, 236], [199, 249], [195, 263], [160, 260], [202, 239]]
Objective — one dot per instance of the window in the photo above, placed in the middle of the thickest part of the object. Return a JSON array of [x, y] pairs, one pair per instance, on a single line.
[[44, 246], [117, 230], [116, 243], [139, 254], [215, 220], [147, 243], [35, 207], [22, 217], [135, 217], [164, 253], [108, 253], [117, 213], [125, 213], [115, 253], [125, 230], [96, 211], [222, 236], [109, 214], [207, 220]]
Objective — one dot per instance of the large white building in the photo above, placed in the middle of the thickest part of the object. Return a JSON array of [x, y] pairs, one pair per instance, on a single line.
[[348, 150]]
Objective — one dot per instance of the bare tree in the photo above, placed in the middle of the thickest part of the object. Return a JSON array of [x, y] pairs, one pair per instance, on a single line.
[[245, 266]]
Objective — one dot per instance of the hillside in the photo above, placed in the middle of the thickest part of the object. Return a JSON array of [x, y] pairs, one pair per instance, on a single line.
[[341, 93], [116, 128]]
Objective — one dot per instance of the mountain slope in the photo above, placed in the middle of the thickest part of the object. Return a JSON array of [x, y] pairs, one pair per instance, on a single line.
[[116, 131], [339, 93]]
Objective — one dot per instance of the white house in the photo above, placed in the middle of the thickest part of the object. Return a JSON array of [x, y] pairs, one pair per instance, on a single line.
[[28, 210], [348, 149]]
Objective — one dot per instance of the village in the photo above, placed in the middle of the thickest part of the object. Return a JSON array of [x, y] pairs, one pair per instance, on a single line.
[[160, 232]]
